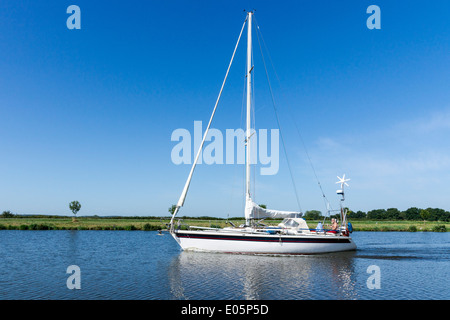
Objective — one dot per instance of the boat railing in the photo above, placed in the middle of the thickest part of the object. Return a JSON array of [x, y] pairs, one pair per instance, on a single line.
[[270, 230]]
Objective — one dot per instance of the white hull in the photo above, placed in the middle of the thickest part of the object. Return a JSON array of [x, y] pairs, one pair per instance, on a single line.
[[260, 243]]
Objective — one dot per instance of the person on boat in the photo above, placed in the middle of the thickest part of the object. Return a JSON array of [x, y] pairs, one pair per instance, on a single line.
[[334, 225], [319, 227]]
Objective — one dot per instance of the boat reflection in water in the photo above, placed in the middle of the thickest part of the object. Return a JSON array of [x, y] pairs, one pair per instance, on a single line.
[[202, 275]]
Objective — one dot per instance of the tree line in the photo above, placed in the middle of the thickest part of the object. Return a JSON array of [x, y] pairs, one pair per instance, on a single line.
[[413, 213]]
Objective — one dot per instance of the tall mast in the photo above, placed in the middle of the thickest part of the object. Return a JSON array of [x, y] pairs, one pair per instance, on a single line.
[[249, 87]]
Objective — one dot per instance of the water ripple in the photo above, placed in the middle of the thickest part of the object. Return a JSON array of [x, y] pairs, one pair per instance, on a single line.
[[142, 265]]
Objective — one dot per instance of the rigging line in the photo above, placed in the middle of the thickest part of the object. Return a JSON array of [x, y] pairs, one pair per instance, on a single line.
[[235, 189], [252, 123], [253, 107], [242, 125], [327, 203], [180, 202], [278, 122]]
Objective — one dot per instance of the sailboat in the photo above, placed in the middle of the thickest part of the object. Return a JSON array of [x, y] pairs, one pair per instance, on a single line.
[[290, 237]]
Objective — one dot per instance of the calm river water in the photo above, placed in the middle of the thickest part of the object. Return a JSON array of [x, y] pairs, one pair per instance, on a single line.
[[144, 265]]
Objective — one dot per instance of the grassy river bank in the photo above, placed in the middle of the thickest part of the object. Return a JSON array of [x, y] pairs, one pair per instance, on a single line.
[[157, 223]]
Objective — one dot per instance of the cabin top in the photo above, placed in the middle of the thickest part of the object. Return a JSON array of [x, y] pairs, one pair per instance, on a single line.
[[294, 223]]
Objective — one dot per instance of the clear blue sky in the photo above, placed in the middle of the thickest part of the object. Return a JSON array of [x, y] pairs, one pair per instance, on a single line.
[[88, 114]]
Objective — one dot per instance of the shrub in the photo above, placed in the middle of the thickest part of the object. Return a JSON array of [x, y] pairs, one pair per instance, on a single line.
[[412, 229], [35, 226], [439, 228], [7, 214], [149, 227]]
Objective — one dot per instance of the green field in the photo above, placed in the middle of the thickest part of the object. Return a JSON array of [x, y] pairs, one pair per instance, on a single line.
[[81, 223], [155, 223]]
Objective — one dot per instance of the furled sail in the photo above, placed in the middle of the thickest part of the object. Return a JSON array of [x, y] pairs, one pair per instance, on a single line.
[[253, 211]]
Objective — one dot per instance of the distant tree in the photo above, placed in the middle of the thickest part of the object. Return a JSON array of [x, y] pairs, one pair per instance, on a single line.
[[172, 209], [7, 214], [393, 214], [75, 206], [437, 214], [313, 215], [412, 213], [263, 206], [358, 215], [424, 214], [377, 214], [349, 212], [445, 216], [337, 216]]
